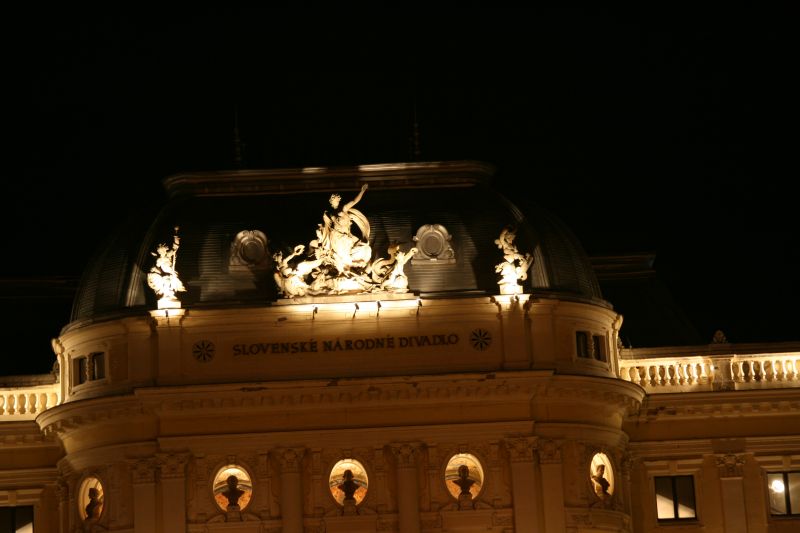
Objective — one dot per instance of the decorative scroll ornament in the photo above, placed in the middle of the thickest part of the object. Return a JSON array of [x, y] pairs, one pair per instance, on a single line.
[[340, 262], [515, 266], [163, 278]]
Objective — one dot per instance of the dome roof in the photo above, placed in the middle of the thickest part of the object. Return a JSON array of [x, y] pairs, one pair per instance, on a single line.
[[231, 223]]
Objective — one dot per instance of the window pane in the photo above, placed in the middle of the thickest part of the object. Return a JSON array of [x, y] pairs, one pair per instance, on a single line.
[[599, 351], [23, 520], [81, 370], [684, 486], [794, 492], [665, 505], [99, 365], [581, 338], [777, 494]]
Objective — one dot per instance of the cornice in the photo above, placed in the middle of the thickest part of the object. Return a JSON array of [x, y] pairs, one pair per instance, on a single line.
[[311, 395], [693, 405], [70, 416]]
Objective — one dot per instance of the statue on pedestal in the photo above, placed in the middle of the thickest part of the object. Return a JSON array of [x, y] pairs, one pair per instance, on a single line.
[[515, 266], [163, 278]]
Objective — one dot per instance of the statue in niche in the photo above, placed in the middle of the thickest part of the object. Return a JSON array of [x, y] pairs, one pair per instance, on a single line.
[[163, 278], [95, 506], [601, 484], [515, 266], [233, 493], [340, 262], [348, 486], [464, 483]]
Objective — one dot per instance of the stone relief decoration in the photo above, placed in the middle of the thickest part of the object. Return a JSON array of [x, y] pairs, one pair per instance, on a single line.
[[464, 479], [232, 489], [601, 475], [433, 245], [249, 251], [91, 499], [348, 483], [339, 262], [514, 267], [163, 278], [730, 466]]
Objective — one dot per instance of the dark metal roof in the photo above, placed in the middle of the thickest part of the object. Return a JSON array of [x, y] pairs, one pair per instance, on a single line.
[[287, 205]]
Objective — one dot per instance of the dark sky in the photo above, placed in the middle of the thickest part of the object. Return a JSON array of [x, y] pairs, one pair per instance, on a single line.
[[648, 132]]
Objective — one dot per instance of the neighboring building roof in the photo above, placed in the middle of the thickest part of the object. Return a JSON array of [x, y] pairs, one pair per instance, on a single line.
[[651, 316]]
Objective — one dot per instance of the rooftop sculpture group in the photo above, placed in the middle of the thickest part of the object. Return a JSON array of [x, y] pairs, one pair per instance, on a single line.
[[339, 262]]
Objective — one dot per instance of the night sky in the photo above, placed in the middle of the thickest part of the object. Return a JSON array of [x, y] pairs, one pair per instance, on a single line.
[[645, 133]]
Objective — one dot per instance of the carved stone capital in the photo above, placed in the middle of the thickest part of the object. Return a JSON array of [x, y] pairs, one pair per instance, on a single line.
[[730, 465], [405, 453], [290, 459], [520, 449], [549, 451], [143, 470], [172, 465]]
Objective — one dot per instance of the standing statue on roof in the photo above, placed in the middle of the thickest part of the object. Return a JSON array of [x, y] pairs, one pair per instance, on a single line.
[[163, 278], [515, 266]]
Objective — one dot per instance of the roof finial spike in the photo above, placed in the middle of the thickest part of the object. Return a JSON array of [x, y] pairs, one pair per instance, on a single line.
[[414, 150], [238, 148]]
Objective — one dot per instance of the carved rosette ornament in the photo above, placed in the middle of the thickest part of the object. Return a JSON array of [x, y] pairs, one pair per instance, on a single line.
[[520, 449], [514, 267], [340, 262], [730, 466], [290, 459], [163, 278]]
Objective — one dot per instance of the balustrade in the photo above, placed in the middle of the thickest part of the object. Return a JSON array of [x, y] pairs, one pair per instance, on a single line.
[[25, 403], [666, 374]]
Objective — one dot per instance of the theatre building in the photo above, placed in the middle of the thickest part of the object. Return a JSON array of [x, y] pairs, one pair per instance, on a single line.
[[391, 348]]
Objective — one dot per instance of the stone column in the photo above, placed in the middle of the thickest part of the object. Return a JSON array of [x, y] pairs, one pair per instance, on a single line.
[[62, 493], [552, 486], [525, 486], [732, 490], [407, 486], [291, 462], [172, 468], [143, 475]]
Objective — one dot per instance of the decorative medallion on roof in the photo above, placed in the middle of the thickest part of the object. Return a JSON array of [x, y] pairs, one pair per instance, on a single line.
[[515, 266], [339, 261], [163, 278]]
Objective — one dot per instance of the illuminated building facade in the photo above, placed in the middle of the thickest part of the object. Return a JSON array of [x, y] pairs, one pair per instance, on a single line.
[[293, 351]]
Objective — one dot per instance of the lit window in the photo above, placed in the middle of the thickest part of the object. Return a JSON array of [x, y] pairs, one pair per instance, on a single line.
[[675, 498], [784, 493]]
